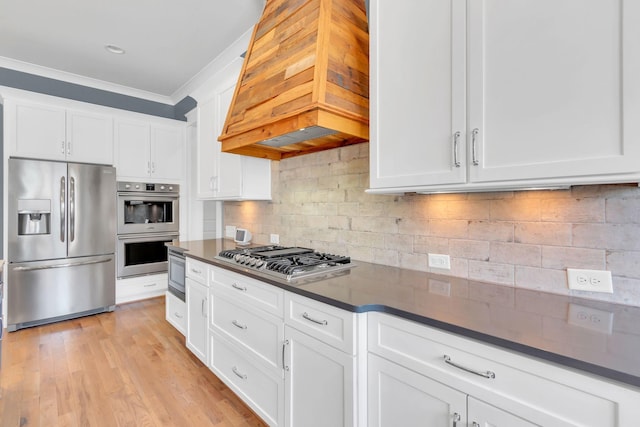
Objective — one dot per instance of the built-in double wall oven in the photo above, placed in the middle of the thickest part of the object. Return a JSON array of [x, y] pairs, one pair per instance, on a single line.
[[148, 217]]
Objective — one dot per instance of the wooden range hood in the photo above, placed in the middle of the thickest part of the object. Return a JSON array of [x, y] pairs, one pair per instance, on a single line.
[[304, 85]]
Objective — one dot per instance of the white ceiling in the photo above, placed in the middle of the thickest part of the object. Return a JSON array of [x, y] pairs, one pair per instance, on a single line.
[[166, 42]]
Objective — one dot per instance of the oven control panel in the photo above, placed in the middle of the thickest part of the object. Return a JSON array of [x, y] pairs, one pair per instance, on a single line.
[[143, 187]]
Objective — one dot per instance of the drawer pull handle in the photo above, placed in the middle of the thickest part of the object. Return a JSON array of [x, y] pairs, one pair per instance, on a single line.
[[486, 374], [240, 288], [475, 424], [311, 319], [195, 270], [238, 325], [150, 285], [456, 418], [238, 373], [177, 315]]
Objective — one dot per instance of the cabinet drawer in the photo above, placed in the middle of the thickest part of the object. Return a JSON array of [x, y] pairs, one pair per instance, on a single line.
[[263, 392], [176, 312], [258, 332], [139, 288], [539, 391], [196, 270], [249, 291], [326, 323]]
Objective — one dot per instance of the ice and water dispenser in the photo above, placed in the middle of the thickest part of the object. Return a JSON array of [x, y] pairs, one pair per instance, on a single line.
[[34, 217]]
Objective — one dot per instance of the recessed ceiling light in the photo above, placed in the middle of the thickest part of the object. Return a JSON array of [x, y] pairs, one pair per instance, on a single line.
[[114, 49]]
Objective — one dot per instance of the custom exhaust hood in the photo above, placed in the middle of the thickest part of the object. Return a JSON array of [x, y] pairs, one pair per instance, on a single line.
[[304, 84]]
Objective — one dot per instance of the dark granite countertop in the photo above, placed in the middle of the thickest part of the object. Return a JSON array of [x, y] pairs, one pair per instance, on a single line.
[[531, 322]]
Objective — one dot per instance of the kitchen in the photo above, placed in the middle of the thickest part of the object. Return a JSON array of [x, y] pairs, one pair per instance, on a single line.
[[518, 239]]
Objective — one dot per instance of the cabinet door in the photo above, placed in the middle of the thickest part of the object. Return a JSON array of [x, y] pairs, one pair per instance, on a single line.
[[197, 330], [484, 415], [89, 138], [40, 132], [553, 88], [208, 150], [417, 92], [132, 141], [230, 171], [400, 397], [167, 152], [319, 383]]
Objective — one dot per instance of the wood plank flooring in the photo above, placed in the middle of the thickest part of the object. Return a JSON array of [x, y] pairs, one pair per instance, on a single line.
[[125, 368]]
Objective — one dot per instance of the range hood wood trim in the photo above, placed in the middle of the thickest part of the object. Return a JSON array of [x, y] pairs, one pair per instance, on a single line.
[[351, 130], [275, 98]]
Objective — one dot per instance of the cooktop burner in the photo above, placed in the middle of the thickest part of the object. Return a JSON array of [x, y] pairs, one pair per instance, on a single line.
[[286, 262]]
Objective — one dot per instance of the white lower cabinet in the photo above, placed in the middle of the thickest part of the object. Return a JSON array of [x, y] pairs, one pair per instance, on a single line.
[[409, 376], [321, 364], [140, 287], [400, 397], [246, 341], [176, 312], [260, 388], [298, 362], [485, 415], [319, 383], [197, 314]]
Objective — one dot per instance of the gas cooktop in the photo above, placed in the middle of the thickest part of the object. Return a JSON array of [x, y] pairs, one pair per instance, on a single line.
[[287, 263]]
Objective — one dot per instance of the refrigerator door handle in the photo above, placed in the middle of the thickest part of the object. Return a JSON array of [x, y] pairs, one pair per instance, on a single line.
[[69, 264], [63, 186], [72, 209]]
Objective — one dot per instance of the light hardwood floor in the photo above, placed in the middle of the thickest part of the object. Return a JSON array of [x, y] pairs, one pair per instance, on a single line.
[[126, 368]]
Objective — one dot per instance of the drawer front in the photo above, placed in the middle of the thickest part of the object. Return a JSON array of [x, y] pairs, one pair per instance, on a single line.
[[139, 288], [176, 312], [249, 291], [196, 270], [260, 333], [326, 323], [514, 383], [263, 392]]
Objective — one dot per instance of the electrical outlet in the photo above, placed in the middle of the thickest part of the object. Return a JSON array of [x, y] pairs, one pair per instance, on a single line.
[[440, 261], [230, 231], [274, 238], [590, 318], [590, 280]]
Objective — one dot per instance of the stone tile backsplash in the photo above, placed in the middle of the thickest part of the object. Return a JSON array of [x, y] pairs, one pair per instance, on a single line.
[[515, 238]]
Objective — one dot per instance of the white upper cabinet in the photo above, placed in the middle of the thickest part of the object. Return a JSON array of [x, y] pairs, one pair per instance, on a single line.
[[147, 149], [417, 92], [49, 132], [224, 176], [490, 94]]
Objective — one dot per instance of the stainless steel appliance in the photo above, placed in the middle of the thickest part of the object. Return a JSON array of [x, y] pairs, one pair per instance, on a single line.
[[148, 208], [61, 230], [288, 263], [176, 283], [148, 217]]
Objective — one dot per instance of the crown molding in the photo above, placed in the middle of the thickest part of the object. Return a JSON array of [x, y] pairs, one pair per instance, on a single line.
[[64, 76]]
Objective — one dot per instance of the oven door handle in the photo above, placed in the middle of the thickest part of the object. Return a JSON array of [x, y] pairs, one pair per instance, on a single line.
[[172, 236]]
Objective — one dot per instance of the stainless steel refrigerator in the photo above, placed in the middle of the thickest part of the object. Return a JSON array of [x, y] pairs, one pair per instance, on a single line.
[[61, 241]]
